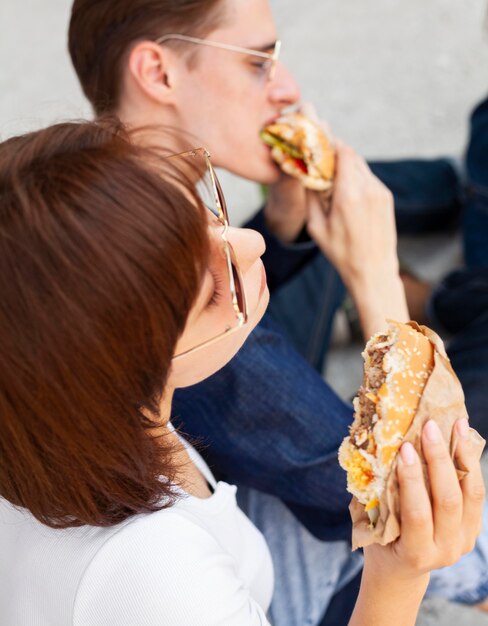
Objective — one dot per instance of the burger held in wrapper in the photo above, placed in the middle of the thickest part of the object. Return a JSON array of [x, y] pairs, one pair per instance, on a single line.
[[408, 380], [302, 150]]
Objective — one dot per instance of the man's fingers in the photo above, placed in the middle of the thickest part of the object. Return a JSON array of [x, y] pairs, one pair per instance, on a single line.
[[352, 170], [309, 110], [472, 485], [415, 508], [447, 499], [318, 222]]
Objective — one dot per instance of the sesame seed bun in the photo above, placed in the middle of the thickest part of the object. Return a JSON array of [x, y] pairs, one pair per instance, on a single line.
[[302, 150], [397, 365]]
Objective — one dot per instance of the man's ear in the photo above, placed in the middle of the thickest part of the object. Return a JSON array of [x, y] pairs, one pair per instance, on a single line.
[[153, 69]]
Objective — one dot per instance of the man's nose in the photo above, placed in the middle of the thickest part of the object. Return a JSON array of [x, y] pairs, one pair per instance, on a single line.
[[283, 90]]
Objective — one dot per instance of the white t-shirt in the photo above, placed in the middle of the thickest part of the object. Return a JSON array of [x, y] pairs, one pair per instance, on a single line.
[[198, 563]]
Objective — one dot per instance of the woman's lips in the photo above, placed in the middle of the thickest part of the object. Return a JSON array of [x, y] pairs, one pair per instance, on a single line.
[[263, 281]]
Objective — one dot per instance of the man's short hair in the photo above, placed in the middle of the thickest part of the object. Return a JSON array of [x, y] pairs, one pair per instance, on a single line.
[[102, 32]]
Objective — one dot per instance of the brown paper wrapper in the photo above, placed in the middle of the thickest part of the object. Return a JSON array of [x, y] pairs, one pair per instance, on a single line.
[[442, 401]]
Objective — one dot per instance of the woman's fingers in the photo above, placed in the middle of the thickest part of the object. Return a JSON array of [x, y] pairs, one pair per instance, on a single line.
[[472, 485], [437, 528], [447, 499], [415, 507]]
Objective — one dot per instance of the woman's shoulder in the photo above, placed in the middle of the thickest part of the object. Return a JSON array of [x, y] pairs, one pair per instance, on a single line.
[[164, 566]]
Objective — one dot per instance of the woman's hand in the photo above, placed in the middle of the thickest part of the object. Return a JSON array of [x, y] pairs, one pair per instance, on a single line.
[[435, 532]]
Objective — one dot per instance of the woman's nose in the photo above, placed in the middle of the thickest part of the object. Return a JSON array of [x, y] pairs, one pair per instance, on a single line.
[[248, 246]]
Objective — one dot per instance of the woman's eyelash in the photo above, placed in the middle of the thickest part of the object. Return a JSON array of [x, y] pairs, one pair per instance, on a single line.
[[217, 293]]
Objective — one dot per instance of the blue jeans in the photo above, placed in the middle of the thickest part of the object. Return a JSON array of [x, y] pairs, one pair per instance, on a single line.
[[311, 576], [268, 420], [458, 309], [475, 219], [428, 193], [475, 225], [307, 572]]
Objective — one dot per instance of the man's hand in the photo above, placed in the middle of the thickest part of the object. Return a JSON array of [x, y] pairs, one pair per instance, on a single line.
[[286, 210], [358, 235]]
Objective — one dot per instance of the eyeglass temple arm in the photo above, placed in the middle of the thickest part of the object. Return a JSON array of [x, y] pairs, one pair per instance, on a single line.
[[224, 46]]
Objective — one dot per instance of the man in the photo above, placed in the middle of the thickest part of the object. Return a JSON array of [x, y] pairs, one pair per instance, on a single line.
[[208, 69], [153, 83]]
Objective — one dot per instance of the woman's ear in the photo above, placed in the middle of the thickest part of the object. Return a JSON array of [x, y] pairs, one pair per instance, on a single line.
[[152, 69]]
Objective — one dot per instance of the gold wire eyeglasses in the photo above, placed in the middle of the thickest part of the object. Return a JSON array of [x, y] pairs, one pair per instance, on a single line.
[[210, 193], [271, 57]]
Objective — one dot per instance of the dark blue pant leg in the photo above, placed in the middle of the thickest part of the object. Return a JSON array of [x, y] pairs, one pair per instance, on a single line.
[[475, 220], [270, 422], [427, 192], [459, 307], [342, 604], [475, 225], [468, 352]]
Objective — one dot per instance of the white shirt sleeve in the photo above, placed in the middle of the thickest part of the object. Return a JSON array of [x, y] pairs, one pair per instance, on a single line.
[[164, 570]]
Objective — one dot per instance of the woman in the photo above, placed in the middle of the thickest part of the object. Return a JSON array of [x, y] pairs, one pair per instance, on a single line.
[[118, 286]]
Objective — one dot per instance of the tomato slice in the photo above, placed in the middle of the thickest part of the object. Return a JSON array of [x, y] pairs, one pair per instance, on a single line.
[[300, 163]]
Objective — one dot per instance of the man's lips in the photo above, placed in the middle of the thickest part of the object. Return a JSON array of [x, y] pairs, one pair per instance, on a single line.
[[272, 120]]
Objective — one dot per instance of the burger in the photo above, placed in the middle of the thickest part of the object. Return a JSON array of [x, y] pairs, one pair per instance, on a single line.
[[302, 150], [397, 366]]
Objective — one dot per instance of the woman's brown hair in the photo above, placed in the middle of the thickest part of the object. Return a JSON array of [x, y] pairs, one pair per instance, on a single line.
[[102, 32], [101, 259]]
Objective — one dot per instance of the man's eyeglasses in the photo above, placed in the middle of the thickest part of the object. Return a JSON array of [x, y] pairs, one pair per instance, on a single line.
[[233, 305], [271, 57]]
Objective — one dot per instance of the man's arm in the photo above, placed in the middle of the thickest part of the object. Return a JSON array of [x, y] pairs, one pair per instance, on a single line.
[[427, 195], [269, 421], [282, 259], [358, 236]]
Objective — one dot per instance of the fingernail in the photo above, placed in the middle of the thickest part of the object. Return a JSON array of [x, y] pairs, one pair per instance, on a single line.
[[432, 432], [408, 454], [462, 427]]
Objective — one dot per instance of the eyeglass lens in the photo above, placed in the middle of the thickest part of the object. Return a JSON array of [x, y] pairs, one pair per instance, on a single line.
[[210, 192], [211, 195]]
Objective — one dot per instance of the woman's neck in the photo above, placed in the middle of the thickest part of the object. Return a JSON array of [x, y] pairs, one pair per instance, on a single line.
[[165, 406], [188, 477]]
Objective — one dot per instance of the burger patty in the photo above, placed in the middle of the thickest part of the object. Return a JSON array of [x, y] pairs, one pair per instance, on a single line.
[[375, 373], [375, 377]]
